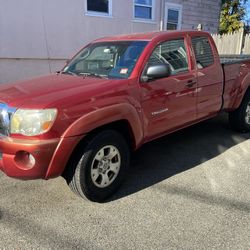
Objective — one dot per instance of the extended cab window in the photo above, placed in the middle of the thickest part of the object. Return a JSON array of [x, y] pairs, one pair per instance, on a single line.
[[108, 59], [173, 53], [203, 52]]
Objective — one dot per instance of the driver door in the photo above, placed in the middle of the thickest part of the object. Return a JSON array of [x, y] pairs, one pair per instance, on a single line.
[[169, 103]]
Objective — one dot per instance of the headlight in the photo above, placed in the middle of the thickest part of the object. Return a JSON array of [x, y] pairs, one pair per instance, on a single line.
[[32, 121]]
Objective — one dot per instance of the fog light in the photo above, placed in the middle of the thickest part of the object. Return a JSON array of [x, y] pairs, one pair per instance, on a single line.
[[25, 160]]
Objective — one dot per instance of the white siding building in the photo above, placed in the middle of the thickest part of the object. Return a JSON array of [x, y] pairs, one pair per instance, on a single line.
[[37, 36]]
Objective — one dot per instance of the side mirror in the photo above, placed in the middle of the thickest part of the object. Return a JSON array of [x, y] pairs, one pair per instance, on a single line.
[[156, 72]]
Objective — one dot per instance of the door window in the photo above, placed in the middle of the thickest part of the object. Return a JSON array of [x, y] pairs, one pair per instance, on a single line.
[[173, 53], [173, 16]]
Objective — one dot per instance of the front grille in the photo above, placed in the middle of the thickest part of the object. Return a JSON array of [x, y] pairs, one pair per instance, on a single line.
[[5, 116], [2, 129]]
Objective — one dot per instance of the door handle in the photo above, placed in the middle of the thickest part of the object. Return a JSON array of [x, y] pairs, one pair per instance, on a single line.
[[191, 83]]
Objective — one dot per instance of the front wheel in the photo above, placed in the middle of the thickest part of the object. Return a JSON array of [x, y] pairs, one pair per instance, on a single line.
[[240, 118], [103, 164]]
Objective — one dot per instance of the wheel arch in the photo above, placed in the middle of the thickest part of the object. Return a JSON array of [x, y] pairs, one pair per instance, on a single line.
[[121, 117], [121, 126], [243, 89]]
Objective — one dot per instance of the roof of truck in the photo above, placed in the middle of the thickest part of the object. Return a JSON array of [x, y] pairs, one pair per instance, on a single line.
[[147, 36]]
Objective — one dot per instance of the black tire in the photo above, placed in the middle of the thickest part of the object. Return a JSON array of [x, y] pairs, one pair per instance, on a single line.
[[237, 118], [79, 176]]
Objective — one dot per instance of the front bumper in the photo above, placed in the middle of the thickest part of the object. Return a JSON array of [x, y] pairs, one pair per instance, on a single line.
[[50, 157], [14, 160]]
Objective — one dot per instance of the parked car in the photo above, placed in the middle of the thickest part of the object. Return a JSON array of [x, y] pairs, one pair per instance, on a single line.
[[116, 94]]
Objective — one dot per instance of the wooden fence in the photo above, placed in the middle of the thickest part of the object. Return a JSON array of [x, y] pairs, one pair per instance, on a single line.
[[236, 43], [246, 47]]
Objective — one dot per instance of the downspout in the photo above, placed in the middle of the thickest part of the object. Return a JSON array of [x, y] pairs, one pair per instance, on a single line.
[[46, 38], [162, 14]]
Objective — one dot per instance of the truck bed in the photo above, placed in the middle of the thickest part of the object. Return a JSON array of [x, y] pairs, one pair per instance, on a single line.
[[232, 66]]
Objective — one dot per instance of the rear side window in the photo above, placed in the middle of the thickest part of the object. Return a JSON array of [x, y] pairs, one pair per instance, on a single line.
[[203, 52], [173, 53]]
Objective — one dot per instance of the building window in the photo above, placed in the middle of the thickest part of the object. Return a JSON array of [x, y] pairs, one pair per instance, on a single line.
[[99, 7], [173, 13], [144, 9]]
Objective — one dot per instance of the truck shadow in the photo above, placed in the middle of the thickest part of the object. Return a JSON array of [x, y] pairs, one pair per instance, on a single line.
[[179, 152]]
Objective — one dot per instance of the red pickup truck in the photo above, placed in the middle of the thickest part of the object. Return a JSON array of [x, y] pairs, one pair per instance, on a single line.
[[116, 94]]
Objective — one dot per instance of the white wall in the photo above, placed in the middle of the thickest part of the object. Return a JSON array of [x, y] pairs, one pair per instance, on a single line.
[[37, 36], [32, 31]]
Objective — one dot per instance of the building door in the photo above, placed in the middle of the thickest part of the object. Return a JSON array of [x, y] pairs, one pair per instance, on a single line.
[[173, 16]]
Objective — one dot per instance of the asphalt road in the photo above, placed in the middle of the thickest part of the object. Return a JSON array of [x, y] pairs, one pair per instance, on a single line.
[[189, 190]]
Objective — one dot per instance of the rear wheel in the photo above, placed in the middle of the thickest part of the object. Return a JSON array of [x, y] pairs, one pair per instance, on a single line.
[[240, 118], [101, 166]]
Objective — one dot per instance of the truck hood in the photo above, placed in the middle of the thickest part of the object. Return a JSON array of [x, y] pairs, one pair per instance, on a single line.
[[49, 90]]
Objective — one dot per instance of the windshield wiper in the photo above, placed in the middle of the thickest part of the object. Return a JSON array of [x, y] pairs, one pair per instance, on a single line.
[[68, 73], [93, 74]]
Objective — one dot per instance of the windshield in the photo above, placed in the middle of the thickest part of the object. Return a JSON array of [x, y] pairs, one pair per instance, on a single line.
[[109, 59]]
